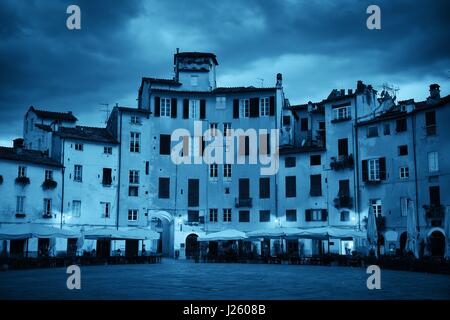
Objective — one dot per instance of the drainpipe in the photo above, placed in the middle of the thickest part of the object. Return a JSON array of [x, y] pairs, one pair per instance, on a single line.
[[62, 184], [356, 164], [120, 171], [415, 170]]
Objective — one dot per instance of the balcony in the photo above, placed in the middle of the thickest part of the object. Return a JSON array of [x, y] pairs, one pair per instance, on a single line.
[[49, 184], [243, 202], [434, 212], [344, 201], [23, 181], [342, 162]]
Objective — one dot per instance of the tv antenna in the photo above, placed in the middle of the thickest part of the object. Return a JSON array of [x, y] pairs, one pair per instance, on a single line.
[[392, 89], [106, 105], [262, 82]]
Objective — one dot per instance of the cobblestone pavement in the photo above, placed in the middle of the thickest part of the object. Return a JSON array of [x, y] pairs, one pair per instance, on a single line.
[[186, 280]]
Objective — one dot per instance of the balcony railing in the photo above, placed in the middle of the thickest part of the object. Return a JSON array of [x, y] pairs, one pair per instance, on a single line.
[[49, 184], [434, 212], [243, 202], [23, 180], [343, 202], [342, 162]]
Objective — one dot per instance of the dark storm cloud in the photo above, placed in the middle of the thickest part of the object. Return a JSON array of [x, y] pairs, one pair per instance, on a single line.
[[316, 44]]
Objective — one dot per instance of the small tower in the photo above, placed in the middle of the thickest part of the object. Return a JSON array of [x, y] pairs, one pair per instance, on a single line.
[[196, 71]]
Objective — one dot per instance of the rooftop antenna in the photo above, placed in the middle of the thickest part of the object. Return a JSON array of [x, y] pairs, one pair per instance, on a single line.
[[392, 89], [105, 110], [262, 82]]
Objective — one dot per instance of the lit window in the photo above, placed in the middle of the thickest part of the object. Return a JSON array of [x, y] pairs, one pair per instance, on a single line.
[[433, 162]]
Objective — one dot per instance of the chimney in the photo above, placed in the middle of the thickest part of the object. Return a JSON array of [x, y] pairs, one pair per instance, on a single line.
[[350, 91], [279, 80], [435, 93], [342, 92], [18, 143]]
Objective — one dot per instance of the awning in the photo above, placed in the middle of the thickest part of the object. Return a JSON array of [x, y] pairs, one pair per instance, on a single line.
[[31, 230], [331, 232], [224, 235], [121, 234], [275, 233]]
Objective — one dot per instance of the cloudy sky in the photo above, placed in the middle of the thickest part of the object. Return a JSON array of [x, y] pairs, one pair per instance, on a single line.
[[317, 45]]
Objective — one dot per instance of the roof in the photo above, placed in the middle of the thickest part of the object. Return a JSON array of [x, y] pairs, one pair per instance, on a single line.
[[92, 134], [195, 55], [43, 127], [62, 116], [221, 90], [128, 109], [170, 82], [390, 115], [290, 149], [25, 155], [425, 105]]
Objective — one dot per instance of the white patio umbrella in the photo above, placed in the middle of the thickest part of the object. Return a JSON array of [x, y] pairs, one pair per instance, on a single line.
[[30, 230], [274, 233], [229, 234], [52, 247], [80, 241], [113, 233], [411, 230], [447, 232], [372, 234]]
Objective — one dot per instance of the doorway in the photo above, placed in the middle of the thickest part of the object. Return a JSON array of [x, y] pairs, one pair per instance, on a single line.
[[17, 248], [43, 247], [192, 248], [131, 248], [103, 248], [437, 244]]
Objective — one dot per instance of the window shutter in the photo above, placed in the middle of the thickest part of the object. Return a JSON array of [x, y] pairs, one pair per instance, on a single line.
[[308, 215], [324, 214], [173, 108], [157, 106], [365, 172], [382, 168], [236, 108], [202, 109], [185, 108], [254, 107], [272, 105]]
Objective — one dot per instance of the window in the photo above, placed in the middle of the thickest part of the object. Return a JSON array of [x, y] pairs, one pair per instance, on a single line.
[[22, 172], [213, 168], [133, 191], [286, 120], [386, 129], [135, 142], [193, 192], [194, 109], [147, 167], [213, 215], [20, 204], [106, 207], [221, 102], [244, 108], [343, 147], [76, 208], [164, 188], [433, 162], [290, 185], [341, 113], [345, 215], [289, 162], [134, 176], [79, 146], [193, 216], [316, 215], [107, 150], [404, 206], [264, 216], [49, 175], [227, 215], [244, 216], [404, 172], [372, 131], [244, 145], [164, 144], [136, 119], [107, 176], [430, 123], [315, 160], [165, 110], [213, 129], [47, 207], [227, 170], [401, 125], [304, 124], [435, 195], [403, 150], [78, 173], [316, 185], [264, 188], [264, 107], [291, 215], [376, 206], [374, 169], [226, 129], [132, 214], [194, 80]]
